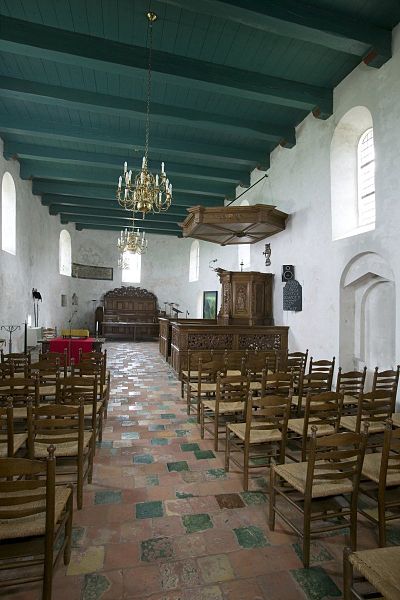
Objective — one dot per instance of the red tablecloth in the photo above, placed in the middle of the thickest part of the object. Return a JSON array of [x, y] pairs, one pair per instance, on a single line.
[[73, 346]]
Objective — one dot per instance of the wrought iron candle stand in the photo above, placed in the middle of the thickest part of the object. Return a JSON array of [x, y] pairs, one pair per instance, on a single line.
[[10, 330]]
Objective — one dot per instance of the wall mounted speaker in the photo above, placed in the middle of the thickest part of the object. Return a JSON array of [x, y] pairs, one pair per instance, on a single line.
[[287, 272]]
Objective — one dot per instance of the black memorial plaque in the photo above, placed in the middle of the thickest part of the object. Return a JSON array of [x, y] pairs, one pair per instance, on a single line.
[[292, 296]]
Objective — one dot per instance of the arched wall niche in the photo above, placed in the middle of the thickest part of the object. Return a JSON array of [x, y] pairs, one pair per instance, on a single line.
[[344, 193], [367, 314]]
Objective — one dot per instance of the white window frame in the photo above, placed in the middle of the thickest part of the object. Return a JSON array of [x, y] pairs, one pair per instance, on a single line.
[[133, 272], [65, 253], [8, 214], [366, 179], [194, 261]]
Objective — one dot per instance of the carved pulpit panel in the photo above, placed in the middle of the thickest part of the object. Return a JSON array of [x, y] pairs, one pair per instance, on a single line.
[[246, 298]]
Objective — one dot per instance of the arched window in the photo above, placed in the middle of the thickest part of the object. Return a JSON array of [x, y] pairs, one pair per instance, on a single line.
[[194, 261], [366, 178], [8, 214], [64, 253], [353, 174], [132, 267], [244, 254]]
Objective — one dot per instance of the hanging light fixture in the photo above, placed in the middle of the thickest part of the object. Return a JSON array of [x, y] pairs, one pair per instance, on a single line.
[[145, 192], [130, 241]]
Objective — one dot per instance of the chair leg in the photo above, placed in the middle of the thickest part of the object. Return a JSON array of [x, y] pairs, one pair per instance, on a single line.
[[246, 458], [216, 433], [79, 486], [68, 530], [381, 524], [48, 570], [188, 399], [182, 389], [272, 497], [227, 448], [353, 522], [202, 420], [306, 533], [347, 575], [198, 402]]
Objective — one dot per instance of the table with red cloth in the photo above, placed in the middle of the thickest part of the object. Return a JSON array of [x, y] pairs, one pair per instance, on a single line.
[[73, 345]]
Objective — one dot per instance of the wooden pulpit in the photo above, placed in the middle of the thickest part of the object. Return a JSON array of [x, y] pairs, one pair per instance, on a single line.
[[246, 298]]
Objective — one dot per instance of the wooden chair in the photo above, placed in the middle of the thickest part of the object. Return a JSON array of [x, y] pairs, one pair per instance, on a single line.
[[10, 442], [206, 384], [279, 383], [382, 472], [329, 480], [20, 390], [191, 373], [262, 436], [258, 365], [20, 361], [324, 412], [53, 357], [296, 363], [229, 405], [71, 390], [48, 374], [35, 521], [89, 369], [379, 566], [6, 370], [388, 381], [316, 381], [374, 408], [351, 385], [63, 427]]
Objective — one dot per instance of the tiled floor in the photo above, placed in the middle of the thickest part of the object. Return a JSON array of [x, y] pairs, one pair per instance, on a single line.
[[163, 521]]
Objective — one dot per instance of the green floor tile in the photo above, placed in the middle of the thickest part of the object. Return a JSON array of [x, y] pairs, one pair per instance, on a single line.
[[156, 428], [159, 442], [251, 537], [318, 553], [181, 432], [94, 586], [152, 480], [143, 459], [189, 447], [107, 497], [203, 454], [168, 416], [216, 474], [182, 495], [77, 536], [194, 523], [180, 465], [316, 584], [106, 444], [130, 435], [147, 510], [156, 548], [253, 498]]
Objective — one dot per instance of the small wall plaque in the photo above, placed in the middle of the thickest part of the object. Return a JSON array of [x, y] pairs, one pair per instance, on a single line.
[[293, 296]]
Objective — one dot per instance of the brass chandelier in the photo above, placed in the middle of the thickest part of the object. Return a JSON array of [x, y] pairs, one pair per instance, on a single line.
[[131, 241], [145, 192]]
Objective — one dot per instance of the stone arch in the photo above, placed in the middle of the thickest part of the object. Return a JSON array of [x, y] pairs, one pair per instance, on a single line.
[[367, 313]]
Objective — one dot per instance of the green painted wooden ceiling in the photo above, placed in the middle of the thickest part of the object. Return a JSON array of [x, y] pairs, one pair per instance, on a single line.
[[231, 80]]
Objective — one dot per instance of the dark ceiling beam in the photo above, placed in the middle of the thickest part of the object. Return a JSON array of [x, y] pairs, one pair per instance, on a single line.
[[302, 21], [31, 91], [113, 211], [122, 215], [53, 154], [39, 41], [40, 187], [56, 205], [120, 224], [213, 154], [100, 227], [34, 169]]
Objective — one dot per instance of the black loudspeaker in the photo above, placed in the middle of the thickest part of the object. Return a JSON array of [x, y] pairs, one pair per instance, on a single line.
[[287, 272]]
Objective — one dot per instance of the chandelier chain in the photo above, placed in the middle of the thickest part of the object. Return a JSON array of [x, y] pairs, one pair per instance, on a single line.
[[150, 35]]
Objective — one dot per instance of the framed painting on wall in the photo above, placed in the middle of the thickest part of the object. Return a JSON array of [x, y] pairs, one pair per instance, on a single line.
[[210, 303]]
